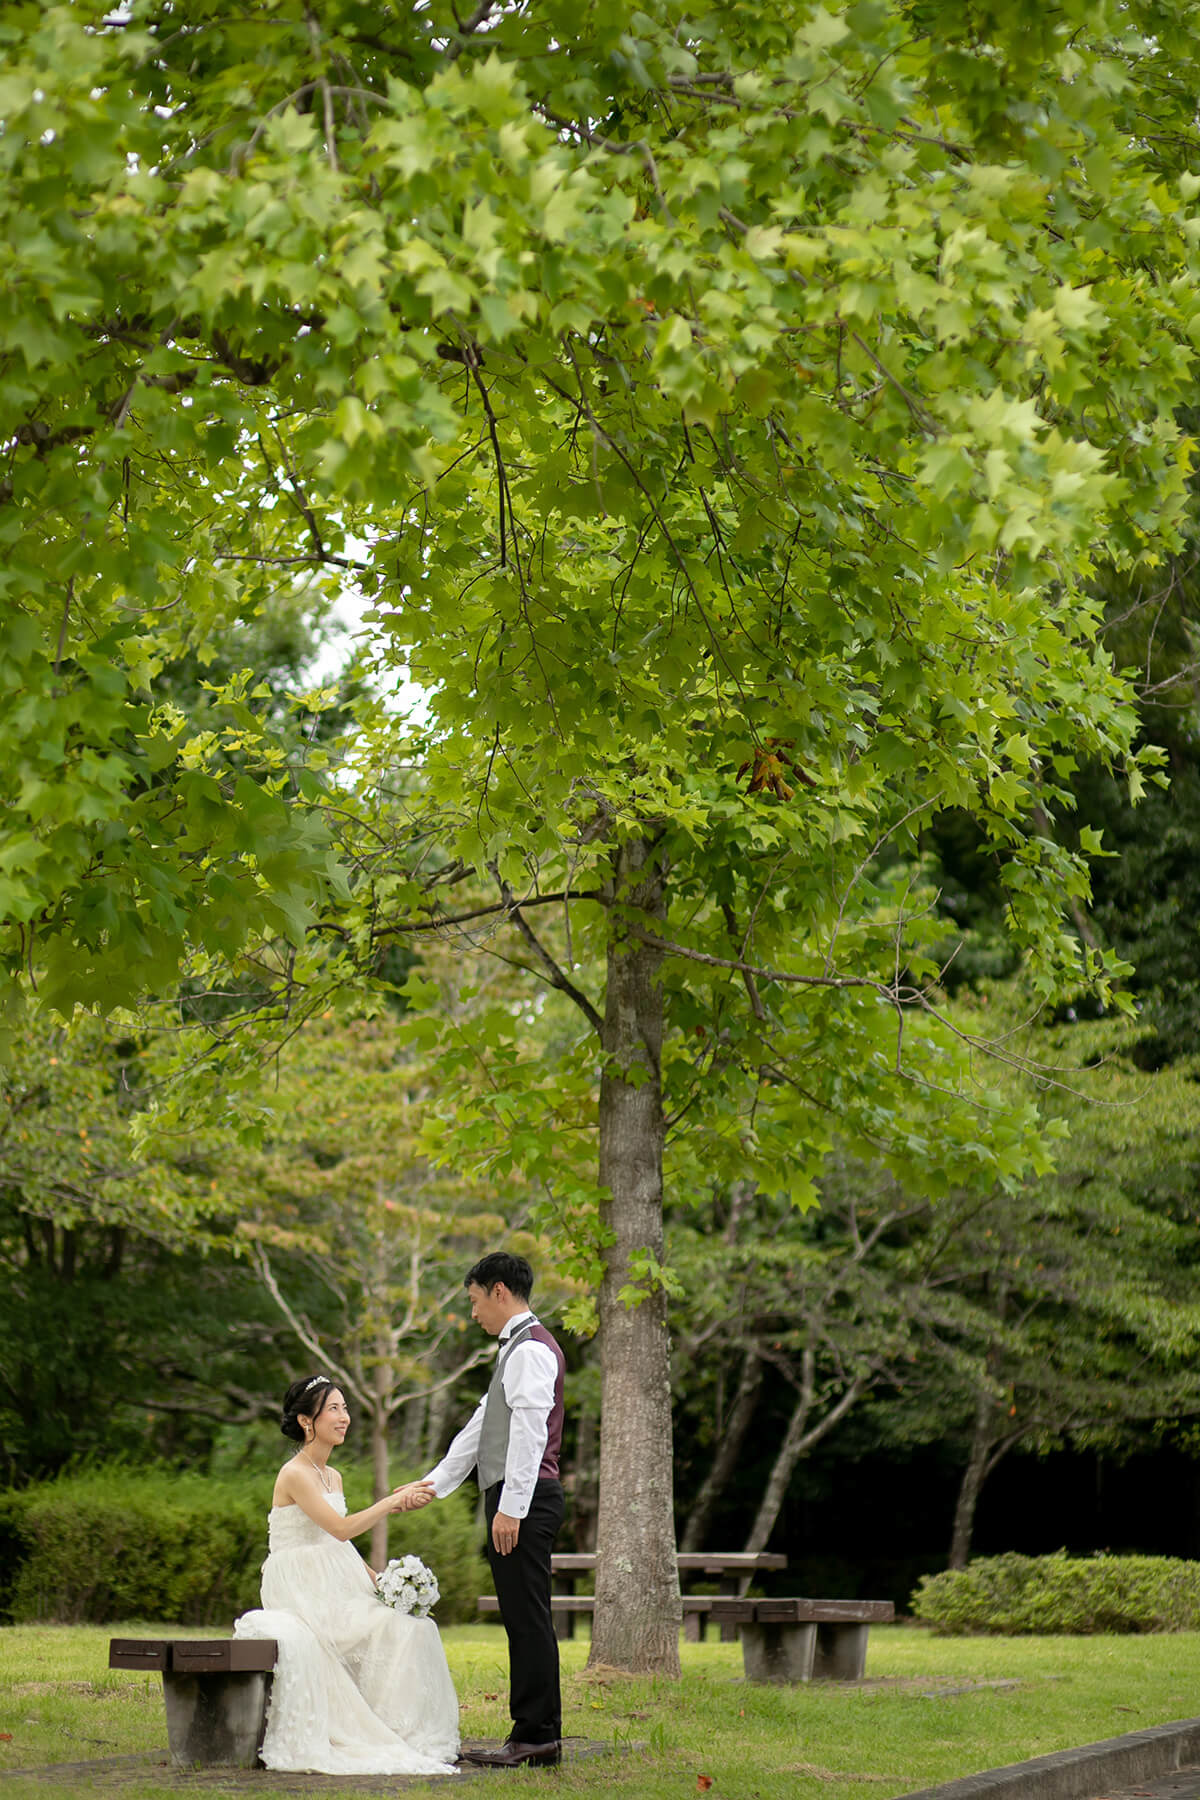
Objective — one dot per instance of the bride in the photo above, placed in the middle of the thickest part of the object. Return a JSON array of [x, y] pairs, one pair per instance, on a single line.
[[358, 1688]]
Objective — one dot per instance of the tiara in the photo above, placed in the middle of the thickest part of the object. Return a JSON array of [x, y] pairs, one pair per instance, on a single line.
[[315, 1382]]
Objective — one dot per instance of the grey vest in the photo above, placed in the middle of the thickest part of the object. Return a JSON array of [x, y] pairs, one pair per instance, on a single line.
[[492, 1454]]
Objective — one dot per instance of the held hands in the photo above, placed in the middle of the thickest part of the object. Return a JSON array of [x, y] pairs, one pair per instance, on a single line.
[[412, 1496], [505, 1530]]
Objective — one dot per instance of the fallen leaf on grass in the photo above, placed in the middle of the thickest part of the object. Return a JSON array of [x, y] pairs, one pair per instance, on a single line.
[[6, 1737], [703, 1782]]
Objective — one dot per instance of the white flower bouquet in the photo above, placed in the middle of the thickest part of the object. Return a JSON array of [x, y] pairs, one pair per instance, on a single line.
[[407, 1586]]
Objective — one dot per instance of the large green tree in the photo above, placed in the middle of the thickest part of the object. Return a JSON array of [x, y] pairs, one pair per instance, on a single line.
[[724, 409]]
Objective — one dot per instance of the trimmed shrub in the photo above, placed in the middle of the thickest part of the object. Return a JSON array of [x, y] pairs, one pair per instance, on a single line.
[[111, 1544], [181, 1549], [1061, 1595]]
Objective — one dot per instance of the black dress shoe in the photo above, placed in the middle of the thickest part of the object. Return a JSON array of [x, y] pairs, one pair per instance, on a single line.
[[516, 1756]]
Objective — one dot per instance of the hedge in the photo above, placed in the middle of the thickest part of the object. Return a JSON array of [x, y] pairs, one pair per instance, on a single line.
[[1061, 1595], [181, 1549]]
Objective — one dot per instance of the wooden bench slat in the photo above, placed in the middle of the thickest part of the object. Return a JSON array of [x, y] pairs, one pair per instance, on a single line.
[[559, 1603], [692, 1562], [194, 1656], [824, 1612], [728, 1610], [222, 1656], [740, 1562], [139, 1653]]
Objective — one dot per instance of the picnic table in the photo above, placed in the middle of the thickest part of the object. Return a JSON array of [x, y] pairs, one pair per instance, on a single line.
[[791, 1639], [734, 1569]]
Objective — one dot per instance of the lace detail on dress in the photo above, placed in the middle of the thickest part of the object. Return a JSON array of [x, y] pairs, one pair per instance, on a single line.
[[358, 1688]]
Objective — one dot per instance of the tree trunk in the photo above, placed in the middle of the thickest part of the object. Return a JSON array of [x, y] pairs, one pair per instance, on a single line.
[[380, 1468], [796, 1440], [728, 1451], [438, 1412], [584, 1492], [412, 1430], [974, 1476], [637, 1617], [980, 1460], [384, 1406]]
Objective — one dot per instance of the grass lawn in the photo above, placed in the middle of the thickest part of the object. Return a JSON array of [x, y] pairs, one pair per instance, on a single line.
[[925, 1714]]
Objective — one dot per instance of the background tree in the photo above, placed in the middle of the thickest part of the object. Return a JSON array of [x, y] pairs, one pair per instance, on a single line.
[[126, 1327], [1071, 1314], [811, 1305], [342, 1196]]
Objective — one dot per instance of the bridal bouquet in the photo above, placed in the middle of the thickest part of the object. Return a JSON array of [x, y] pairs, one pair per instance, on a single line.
[[407, 1586]]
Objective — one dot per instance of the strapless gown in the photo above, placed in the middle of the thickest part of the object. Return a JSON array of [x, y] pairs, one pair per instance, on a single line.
[[358, 1689]]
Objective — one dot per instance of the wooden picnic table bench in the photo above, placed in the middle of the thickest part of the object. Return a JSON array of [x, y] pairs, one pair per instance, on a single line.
[[731, 1567], [784, 1639], [566, 1608], [215, 1690]]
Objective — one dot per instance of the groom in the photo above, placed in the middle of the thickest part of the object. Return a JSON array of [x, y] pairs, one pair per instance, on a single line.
[[512, 1441]]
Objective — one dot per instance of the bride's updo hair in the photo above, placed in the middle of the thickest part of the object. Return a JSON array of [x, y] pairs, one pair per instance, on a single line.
[[307, 1396]]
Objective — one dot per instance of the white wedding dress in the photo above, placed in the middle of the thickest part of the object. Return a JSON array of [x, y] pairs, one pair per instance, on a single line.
[[358, 1688]]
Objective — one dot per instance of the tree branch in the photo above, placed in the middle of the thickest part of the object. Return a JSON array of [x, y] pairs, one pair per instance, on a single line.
[[739, 967], [482, 912], [302, 1329], [556, 975], [482, 13]]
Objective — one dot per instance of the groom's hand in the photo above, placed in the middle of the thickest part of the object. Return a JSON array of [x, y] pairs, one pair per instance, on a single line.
[[504, 1533], [413, 1495]]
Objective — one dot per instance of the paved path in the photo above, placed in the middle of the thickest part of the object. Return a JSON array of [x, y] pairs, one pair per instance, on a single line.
[[1184, 1784], [112, 1774]]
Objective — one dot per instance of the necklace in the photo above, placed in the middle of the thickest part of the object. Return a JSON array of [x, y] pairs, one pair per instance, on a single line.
[[326, 1482]]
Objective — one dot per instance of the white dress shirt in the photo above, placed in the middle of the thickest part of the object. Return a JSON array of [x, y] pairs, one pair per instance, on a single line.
[[528, 1380]]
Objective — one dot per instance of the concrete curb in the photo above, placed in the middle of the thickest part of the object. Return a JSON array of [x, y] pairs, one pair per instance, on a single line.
[[1082, 1774]]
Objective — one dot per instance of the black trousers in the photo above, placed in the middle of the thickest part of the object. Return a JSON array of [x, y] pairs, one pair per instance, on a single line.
[[522, 1581]]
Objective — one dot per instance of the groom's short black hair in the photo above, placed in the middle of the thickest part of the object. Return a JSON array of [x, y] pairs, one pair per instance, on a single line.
[[502, 1265]]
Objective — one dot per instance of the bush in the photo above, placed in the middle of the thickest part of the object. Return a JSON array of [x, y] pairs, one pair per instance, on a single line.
[[1061, 1595], [183, 1549], [112, 1544]]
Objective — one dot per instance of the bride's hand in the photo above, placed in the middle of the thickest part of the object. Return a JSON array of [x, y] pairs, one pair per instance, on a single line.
[[415, 1494]]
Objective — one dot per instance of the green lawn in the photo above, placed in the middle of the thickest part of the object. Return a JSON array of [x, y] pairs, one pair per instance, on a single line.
[[910, 1725]]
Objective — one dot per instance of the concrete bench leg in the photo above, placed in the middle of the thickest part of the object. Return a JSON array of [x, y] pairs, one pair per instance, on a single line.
[[693, 1627], [564, 1625], [216, 1719], [778, 1652], [841, 1653]]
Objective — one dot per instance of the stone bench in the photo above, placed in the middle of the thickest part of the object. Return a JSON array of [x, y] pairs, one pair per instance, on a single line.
[[803, 1640], [215, 1690]]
